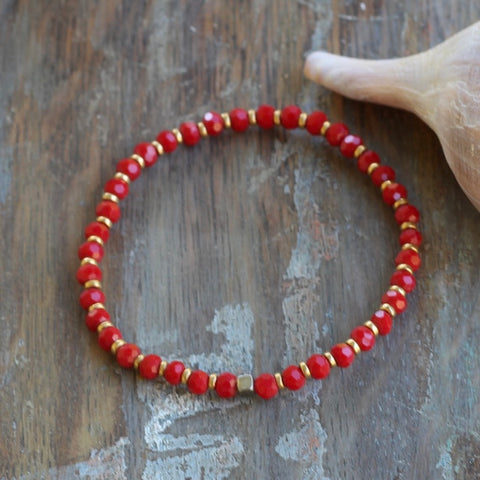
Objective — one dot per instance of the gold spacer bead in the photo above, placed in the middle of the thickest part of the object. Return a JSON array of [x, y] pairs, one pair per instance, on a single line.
[[276, 117], [226, 120], [352, 343], [110, 197], [202, 129], [92, 284], [106, 221], [123, 177], [407, 225], [305, 370], [186, 375], [386, 307], [245, 384], [330, 359], [409, 246], [400, 202], [398, 289], [104, 325], [385, 184], [116, 345], [372, 327], [163, 366], [359, 150], [373, 166], [279, 380], [89, 260], [178, 135], [137, 361], [252, 117], [138, 159], [325, 127], [95, 306], [212, 381], [158, 147], [94, 238], [302, 120], [404, 266]]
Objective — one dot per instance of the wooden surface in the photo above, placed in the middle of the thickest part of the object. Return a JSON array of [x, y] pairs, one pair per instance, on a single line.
[[248, 253]]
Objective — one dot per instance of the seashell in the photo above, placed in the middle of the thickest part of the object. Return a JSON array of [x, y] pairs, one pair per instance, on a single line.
[[440, 85]]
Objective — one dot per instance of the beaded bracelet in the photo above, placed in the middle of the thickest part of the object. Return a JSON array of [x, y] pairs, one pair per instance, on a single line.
[[318, 365]]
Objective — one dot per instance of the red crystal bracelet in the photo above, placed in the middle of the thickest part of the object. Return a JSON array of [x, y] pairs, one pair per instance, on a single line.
[[266, 385]]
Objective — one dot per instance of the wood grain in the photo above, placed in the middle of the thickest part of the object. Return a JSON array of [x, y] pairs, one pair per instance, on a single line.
[[247, 253]]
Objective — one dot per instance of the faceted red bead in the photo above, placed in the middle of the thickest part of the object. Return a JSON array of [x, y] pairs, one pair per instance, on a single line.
[[97, 229], [264, 116], [265, 386], [239, 119], [109, 210], [173, 372], [412, 236], [393, 192], [90, 296], [90, 249], [364, 337], [407, 213], [395, 299], [409, 257], [349, 144], [149, 366], [403, 279], [198, 382], [95, 317], [88, 272], [343, 354], [289, 116], [190, 133], [127, 354], [107, 336], [117, 187], [383, 321], [366, 159], [213, 122], [226, 385], [148, 152], [130, 168], [381, 174], [293, 377], [336, 133], [315, 122], [319, 366], [167, 140]]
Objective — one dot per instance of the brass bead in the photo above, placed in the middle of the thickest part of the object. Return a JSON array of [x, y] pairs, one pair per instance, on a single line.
[[95, 306], [400, 202], [158, 147], [330, 359], [106, 221], [409, 246], [385, 184], [369, 324], [407, 225], [325, 127], [186, 375], [137, 361], [373, 166], [94, 238], [110, 197], [276, 117], [178, 135], [88, 260], [92, 284], [302, 120], [212, 380], [404, 266], [359, 150], [386, 307], [138, 159], [104, 325], [202, 129], [245, 384], [354, 345], [116, 345], [252, 117], [163, 366], [122, 176], [226, 120], [398, 289], [279, 380], [305, 370]]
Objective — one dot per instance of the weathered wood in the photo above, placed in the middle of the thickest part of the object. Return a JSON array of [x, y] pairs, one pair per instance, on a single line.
[[247, 253]]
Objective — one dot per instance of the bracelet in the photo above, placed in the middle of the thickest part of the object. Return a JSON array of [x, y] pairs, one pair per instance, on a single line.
[[318, 365]]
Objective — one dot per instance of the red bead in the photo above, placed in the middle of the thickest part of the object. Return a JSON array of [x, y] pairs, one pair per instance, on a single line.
[[289, 117], [366, 159], [148, 152], [409, 257], [264, 116], [173, 372], [336, 133], [343, 354], [88, 272], [293, 378], [403, 279], [265, 386], [167, 140], [364, 337], [90, 296], [117, 187], [396, 300], [97, 229], [126, 355], [393, 192], [90, 249], [239, 119], [95, 317], [130, 168], [149, 366], [382, 174], [226, 385], [213, 122], [315, 122], [109, 210], [319, 366], [349, 144], [412, 236], [107, 336], [383, 321], [407, 213], [198, 382], [190, 133]]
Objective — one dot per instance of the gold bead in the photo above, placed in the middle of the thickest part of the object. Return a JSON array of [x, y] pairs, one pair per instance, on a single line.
[[279, 380], [226, 120], [202, 129], [372, 327], [404, 266], [373, 166], [110, 197], [386, 307], [116, 345], [178, 135], [245, 384], [104, 325], [122, 176], [385, 184], [359, 150], [400, 202], [276, 117], [354, 345], [137, 361], [95, 306], [94, 238], [88, 260], [186, 375], [302, 119], [158, 147], [163, 366], [252, 117], [305, 370], [325, 127], [409, 246], [330, 359], [106, 221], [407, 225], [92, 284], [212, 380], [138, 159], [398, 289]]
